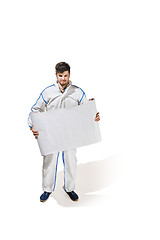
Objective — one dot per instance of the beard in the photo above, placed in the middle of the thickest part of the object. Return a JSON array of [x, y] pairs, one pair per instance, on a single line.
[[63, 86]]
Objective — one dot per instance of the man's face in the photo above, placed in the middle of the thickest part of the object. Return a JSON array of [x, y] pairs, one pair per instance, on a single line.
[[63, 78]]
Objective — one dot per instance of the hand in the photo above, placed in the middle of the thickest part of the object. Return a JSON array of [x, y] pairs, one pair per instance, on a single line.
[[97, 118], [35, 133]]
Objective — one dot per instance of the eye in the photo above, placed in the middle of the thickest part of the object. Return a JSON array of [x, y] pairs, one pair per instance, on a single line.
[[60, 75]]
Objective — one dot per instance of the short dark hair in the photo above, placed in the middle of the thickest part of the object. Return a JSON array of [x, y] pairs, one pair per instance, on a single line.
[[62, 67]]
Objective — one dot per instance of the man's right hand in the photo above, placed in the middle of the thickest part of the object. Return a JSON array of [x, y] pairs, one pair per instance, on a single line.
[[35, 133]]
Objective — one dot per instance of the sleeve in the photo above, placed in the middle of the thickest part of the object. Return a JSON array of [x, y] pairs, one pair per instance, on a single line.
[[83, 97], [39, 106]]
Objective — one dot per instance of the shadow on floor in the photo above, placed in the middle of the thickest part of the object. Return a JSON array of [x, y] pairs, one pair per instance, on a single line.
[[91, 178]]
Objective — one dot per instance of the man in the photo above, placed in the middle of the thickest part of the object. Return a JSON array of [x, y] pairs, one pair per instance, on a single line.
[[59, 95]]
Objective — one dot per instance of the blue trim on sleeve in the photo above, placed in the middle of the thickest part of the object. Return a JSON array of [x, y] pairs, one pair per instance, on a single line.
[[82, 97], [44, 90], [47, 87], [82, 94], [35, 103], [43, 99], [41, 94]]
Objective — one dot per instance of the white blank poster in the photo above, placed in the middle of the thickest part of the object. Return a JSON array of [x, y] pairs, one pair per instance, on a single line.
[[66, 128]]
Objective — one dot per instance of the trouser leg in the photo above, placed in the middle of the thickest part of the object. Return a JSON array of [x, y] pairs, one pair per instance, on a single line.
[[70, 165], [49, 172]]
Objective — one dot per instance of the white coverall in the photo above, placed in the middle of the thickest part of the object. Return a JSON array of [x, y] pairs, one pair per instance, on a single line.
[[52, 98]]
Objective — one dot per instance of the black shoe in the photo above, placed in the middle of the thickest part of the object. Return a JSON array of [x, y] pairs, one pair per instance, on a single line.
[[73, 196], [44, 196]]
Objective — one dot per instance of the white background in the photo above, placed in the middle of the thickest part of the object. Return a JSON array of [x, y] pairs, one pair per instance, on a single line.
[[114, 52]]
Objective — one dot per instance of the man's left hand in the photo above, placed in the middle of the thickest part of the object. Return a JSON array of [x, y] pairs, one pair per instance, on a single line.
[[97, 118]]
